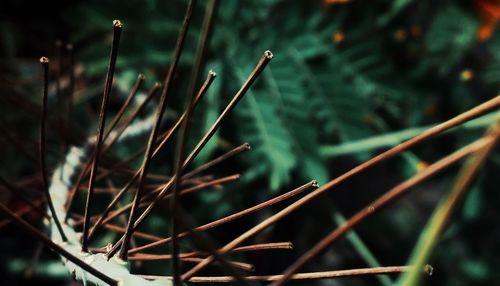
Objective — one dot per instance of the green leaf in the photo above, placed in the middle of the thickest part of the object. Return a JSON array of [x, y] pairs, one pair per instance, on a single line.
[[450, 36], [294, 110], [473, 203], [476, 269], [271, 143]]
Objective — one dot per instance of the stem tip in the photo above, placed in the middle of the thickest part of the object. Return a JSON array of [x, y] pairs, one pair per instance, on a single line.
[[315, 184], [268, 54], [428, 269], [117, 24]]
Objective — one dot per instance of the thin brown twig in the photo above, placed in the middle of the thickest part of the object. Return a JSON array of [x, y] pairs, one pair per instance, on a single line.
[[236, 264], [43, 166], [211, 183], [114, 227], [247, 248], [303, 276], [123, 171], [139, 234], [196, 184], [242, 148], [468, 115], [117, 29]]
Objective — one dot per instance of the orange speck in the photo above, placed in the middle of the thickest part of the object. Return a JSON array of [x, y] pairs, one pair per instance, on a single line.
[[489, 12], [421, 166], [338, 37], [400, 35], [485, 31], [466, 75]]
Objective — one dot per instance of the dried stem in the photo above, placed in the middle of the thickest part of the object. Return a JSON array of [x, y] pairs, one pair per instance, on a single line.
[[468, 115], [43, 166], [305, 276], [233, 152], [120, 229], [211, 183], [117, 29], [152, 257], [247, 248]]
